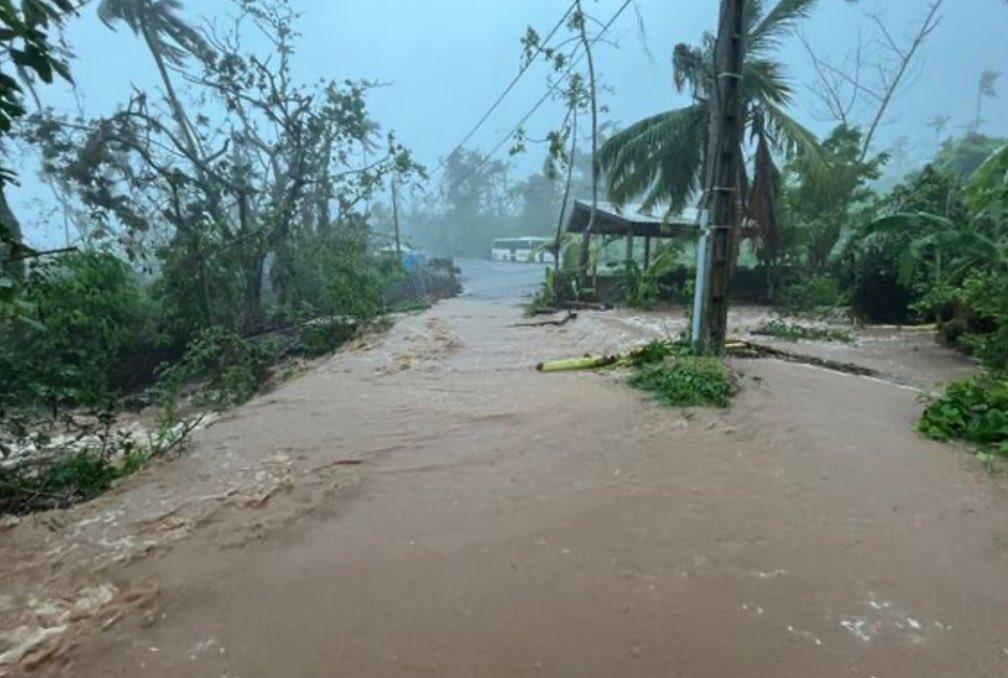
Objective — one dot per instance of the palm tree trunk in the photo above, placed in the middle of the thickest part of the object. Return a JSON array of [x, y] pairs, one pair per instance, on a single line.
[[192, 143], [976, 121], [178, 112]]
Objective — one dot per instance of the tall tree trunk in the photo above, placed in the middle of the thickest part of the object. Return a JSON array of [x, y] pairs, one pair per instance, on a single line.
[[395, 220], [178, 112], [192, 143], [976, 122], [323, 191], [254, 263], [557, 248], [593, 215], [10, 237]]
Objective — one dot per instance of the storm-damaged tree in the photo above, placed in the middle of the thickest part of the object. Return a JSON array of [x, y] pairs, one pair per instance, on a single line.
[[578, 22], [244, 187], [985, 89], [580, 94], [938, 123], [29, 54], [859, 91], [662, 159], [170, 39]]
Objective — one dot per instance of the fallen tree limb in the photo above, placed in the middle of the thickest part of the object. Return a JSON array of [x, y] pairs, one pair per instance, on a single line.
[[572, 306], [741, 348], [556, 323]]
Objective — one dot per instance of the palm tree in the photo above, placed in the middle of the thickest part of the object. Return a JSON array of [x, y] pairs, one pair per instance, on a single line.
[[662, 158], [985, 88], [938, 124], [170, 40]]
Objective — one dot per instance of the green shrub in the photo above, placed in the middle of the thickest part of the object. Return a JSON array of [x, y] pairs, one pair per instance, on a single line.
[[789, 331], [557, 286], [974, 410], [639, 288], [688, 382], [228, 368], [338, 276], [84, 336], [813, 292], [60, 484], [657, 350], [324, 335], [884, 284], [985, 304]]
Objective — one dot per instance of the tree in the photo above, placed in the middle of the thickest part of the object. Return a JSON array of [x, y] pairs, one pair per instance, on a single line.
[[938, 124], [580, 93], [170, 40], [579, 22], [227, 222], [985, 88], [952, 244], [662, 158], [963, 155], [475, 203], [26, 44], [819, 203], [859, 91]]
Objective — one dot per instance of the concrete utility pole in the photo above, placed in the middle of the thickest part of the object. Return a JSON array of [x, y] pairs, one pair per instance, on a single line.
[[722, 179]]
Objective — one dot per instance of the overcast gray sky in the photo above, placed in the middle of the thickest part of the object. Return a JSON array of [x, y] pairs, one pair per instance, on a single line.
[[447, 60]]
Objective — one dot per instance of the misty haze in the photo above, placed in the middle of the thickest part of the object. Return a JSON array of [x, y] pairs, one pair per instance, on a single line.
[[504, 338]]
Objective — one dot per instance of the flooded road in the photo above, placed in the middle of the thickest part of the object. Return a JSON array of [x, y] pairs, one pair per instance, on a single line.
[[425, 504]]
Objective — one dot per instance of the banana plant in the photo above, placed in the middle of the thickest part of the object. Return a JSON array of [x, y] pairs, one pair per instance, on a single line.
[[957, 248]]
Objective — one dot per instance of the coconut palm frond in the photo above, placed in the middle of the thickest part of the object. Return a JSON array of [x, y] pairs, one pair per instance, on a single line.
[[772, 27], [160, 21], [765, 79], [790, 137], [692, 66], [762, 208], [658, 158], [987, 81]]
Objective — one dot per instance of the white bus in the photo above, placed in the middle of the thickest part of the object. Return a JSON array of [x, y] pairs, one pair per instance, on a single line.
[[524, 249]]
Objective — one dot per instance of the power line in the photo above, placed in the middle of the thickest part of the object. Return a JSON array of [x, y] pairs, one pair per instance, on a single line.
[[507, 90], [553, 88]]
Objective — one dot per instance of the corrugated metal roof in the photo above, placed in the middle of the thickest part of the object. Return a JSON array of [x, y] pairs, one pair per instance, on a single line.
[[616, 220]]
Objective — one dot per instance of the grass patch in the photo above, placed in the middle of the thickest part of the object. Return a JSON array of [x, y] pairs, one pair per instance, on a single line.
[[975, 411], [789, 331], [687, 382]]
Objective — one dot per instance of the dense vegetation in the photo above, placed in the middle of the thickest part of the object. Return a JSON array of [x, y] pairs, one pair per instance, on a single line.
[[232, 216], [221, 222]]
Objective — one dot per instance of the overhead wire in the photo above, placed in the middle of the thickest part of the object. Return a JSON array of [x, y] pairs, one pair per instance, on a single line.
[[507, 90], [549, 92]]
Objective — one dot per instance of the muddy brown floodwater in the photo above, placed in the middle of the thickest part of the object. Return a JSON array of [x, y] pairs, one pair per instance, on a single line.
[[425, 504]]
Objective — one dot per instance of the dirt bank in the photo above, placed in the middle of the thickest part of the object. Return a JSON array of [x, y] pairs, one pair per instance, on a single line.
[[429, 506]]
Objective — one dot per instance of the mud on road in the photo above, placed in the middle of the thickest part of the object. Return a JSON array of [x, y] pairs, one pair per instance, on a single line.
[[424, 504]]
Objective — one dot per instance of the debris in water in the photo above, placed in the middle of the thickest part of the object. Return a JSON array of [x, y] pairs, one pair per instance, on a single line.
[[769, 575], [860, 628]]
